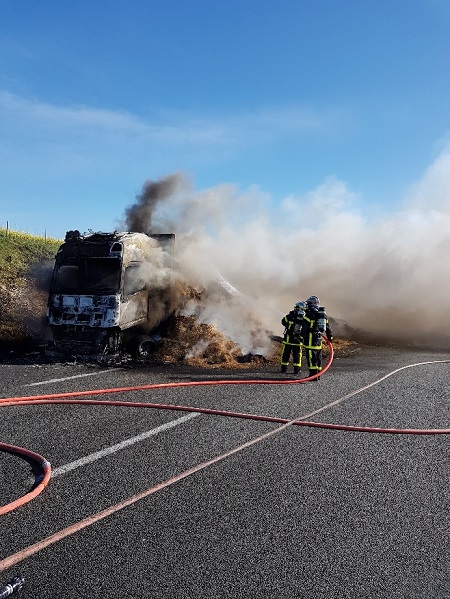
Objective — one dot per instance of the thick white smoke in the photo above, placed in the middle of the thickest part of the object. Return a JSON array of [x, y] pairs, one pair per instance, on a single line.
[[387, 276]]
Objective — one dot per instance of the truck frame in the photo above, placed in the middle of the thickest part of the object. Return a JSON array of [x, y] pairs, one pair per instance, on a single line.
[[110, 294]]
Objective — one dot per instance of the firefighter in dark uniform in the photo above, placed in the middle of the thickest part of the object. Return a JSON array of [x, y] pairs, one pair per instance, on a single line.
[[292, 341], [315, 324]]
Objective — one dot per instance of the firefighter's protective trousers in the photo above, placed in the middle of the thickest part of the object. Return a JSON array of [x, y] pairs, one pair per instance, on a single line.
[[296, 349], [314, 358], [312, 342]]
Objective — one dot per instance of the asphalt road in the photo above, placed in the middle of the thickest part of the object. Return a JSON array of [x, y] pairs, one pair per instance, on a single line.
[[209, 506]]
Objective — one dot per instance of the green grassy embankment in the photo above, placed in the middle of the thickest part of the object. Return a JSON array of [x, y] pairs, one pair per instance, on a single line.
[[25, 265]]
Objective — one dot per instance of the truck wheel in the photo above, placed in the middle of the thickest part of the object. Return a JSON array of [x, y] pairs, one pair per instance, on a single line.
[[143, 347]]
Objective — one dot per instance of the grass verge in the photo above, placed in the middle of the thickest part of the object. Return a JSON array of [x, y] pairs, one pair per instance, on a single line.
[[25, 265]]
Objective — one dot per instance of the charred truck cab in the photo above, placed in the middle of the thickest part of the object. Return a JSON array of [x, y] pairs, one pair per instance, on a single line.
[[110, 294]]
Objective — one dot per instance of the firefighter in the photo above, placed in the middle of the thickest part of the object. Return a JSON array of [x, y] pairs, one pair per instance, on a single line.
[[292, 341], [315, 324]]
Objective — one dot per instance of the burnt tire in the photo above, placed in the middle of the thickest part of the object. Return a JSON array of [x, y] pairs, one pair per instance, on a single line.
[[142, 347]]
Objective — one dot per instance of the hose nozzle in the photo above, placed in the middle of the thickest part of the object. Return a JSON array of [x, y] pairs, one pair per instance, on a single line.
[[12, 586]]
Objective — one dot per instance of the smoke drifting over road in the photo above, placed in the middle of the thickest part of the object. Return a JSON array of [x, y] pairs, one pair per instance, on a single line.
[[388, 277]]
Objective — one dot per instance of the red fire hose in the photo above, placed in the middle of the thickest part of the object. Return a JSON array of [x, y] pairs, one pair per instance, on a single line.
[[39, 485], [65, 398]]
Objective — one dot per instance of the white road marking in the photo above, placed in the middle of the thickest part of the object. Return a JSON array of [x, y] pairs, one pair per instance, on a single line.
[[75, 376], [127, 443]]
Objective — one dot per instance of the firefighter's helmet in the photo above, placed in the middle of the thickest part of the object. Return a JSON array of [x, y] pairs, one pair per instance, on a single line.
[[313, 301], [300, 307]]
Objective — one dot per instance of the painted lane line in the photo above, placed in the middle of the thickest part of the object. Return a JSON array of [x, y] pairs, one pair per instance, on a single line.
[[31, 550], [27, 552], [122, 445], [365, 387], [68, 378], [20, 556]]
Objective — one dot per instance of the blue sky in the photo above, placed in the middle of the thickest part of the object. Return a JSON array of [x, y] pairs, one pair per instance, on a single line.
[[98, 97]]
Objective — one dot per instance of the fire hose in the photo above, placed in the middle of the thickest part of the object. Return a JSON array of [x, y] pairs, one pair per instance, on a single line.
[[43, 479]]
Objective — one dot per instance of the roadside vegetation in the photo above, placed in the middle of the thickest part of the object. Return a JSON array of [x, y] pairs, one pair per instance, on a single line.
[[25, 263], [19, 251]]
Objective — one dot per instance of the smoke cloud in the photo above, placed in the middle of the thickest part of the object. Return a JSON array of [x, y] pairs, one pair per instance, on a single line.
[[385, 278], [139, 216]]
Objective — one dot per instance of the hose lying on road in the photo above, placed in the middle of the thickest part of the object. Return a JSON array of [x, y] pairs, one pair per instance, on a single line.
[[65, 398], [43, 479], [40, 482]]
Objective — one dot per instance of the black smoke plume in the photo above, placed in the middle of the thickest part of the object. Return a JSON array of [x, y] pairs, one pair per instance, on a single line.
[[139, 215]]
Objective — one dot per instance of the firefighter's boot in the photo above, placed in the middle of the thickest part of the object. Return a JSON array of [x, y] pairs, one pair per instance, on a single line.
[[314, 373]]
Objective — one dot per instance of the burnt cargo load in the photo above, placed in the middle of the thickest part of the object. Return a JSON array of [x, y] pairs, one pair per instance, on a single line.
[[110, 294]]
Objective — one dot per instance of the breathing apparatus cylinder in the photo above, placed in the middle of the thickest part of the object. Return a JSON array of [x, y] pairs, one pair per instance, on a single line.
[[322, 319]]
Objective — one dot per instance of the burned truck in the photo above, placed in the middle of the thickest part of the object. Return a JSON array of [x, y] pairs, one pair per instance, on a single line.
[[110, 294]]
